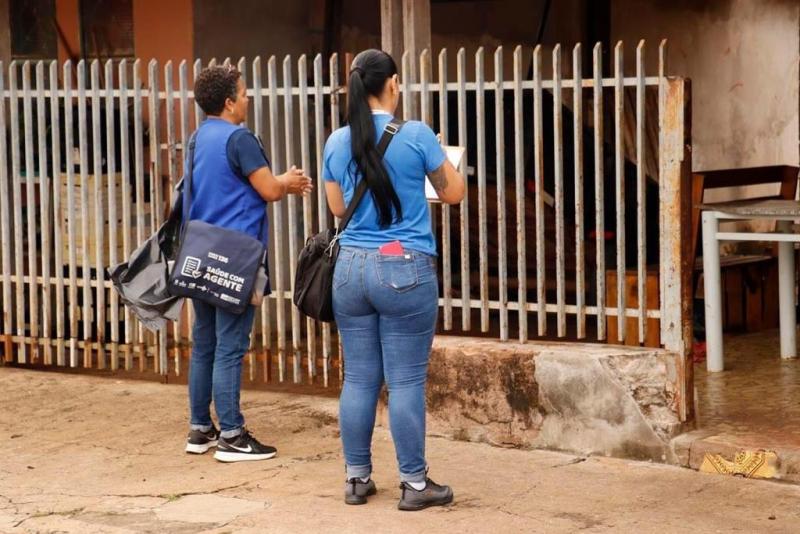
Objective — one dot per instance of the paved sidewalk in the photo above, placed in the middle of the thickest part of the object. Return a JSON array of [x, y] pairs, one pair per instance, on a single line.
[[89, 455]]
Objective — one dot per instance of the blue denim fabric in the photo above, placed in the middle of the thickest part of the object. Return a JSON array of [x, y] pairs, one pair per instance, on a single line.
[[220, 341], [385, 309]]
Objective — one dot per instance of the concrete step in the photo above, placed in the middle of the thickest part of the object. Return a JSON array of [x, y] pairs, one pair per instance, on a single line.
[[692, 448]]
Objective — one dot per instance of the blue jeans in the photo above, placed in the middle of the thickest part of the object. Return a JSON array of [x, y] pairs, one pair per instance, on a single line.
[[220, 341], [385, 308]]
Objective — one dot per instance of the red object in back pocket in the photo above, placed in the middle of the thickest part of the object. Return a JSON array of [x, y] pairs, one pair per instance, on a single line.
[[391, 249]]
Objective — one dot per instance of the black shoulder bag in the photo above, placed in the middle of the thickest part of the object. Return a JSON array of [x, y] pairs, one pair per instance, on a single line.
[[216, 265], [313, 282]]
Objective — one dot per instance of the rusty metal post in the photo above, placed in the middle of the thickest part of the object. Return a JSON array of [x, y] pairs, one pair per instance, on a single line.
[[675, 161]]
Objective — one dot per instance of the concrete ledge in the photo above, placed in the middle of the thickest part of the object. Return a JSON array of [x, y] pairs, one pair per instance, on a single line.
[[588, 399]]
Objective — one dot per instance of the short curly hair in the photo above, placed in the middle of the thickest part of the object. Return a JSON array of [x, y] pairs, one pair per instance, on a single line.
[[214, 85]]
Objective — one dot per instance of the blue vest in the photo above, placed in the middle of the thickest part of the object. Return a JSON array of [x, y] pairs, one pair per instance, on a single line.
[[219, 196]]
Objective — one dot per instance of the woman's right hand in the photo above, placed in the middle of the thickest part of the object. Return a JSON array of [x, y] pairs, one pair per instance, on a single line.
[[296, 182]]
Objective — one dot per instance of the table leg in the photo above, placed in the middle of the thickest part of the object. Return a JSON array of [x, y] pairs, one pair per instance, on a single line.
[[786, 278], [713, 296]]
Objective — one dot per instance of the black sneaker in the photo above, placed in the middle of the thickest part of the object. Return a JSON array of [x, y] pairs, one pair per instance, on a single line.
[[356, 492], [242, 448], [432, 495], [198, 442]]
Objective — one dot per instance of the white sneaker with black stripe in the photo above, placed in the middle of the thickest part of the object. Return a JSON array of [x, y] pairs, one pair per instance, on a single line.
[[198, 442], [243, 448]]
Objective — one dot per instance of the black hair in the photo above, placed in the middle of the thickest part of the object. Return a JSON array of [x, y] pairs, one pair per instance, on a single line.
[[214, 85], [368, 75]]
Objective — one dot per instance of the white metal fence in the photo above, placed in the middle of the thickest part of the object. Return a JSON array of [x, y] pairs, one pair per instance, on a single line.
[[93, 152]]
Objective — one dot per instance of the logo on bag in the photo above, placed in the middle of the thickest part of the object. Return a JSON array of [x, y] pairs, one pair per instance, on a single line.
[[191, 267]]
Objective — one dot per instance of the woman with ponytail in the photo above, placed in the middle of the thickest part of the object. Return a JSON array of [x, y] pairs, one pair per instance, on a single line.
[[385, 290]]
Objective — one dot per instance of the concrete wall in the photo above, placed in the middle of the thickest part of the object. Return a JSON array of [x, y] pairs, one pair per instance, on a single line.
[[289, 28], [253, 28], [742, 57], [163, 34]]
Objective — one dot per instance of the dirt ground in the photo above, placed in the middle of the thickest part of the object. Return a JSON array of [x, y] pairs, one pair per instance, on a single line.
[[88, 455]]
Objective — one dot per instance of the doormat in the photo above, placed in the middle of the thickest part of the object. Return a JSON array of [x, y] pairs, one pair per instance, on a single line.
[[747, 464]]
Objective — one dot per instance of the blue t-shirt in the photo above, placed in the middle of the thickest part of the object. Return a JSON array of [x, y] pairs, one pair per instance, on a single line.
[[413, 153], [245, 153]]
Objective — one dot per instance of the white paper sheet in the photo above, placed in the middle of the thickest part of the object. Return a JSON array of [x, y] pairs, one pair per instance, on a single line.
[[454, 155]]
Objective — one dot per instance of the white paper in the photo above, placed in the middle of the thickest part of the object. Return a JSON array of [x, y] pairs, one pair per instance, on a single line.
[[454, 155]]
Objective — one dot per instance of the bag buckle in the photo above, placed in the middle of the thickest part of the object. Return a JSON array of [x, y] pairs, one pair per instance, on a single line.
[[329, 248], [392, 128]]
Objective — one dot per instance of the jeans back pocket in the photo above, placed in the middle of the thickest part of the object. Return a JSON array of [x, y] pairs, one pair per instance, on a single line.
[[397, 272], [341, 273]]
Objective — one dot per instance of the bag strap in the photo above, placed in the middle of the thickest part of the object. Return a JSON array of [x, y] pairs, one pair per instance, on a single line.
[[389, 132], [186, 182]]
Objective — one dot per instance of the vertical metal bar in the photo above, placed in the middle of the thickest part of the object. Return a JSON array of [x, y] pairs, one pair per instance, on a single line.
[[558, 167], [538, 143], [19, 255], [466, 304], [322, 207], [138, 167], [86, 264], [662, 69], [308, 214], [599, 189], [333, 67], [99, 216], [291, 201], [58, 210], [426, 115], [172, 169], [127, 199], [183, 89], [405, 85], [241, 66], [156, 190], [172, 135], [113, 219], [31, 212], [258, 128], [334, 77], [580, 230], [500, 150], [69, 147], [277, 167], [183, 74], [198, 113], [641, 207], [44, 194], [5, 230], [483, 231], [519, 191], [619, 167], [447, 253]]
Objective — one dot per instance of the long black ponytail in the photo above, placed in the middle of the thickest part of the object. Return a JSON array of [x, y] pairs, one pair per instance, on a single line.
[[370, 70]]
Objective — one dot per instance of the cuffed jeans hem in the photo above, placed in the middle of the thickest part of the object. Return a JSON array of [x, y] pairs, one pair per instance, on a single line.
[[227, 434], [201, 428], [419, 476], [358, 471]]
